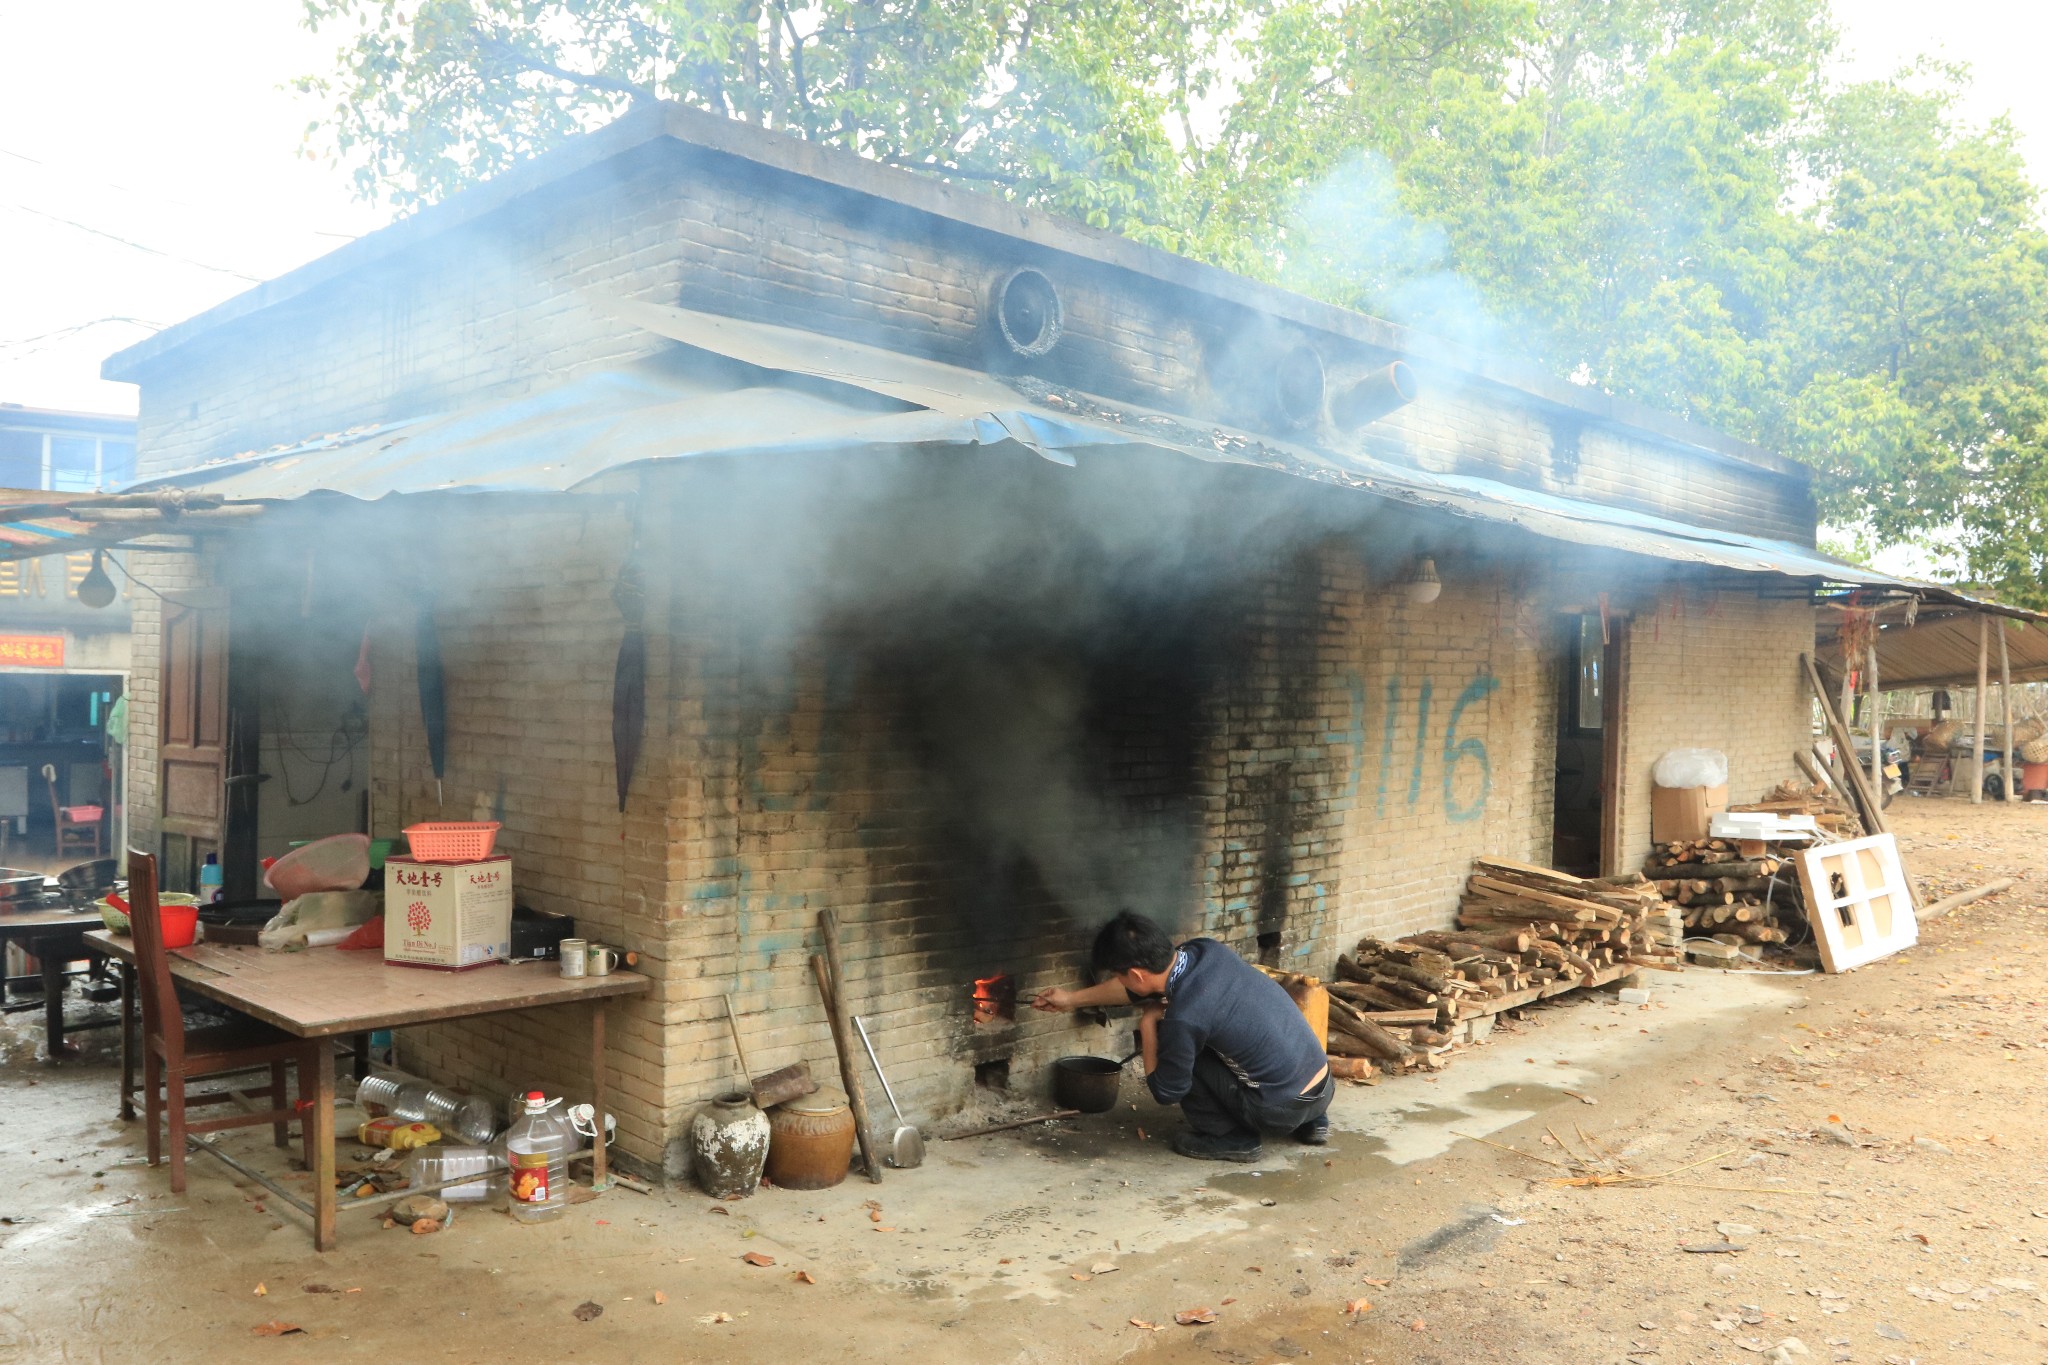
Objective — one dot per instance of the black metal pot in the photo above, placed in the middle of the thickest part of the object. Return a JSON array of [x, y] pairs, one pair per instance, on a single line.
[[1088, 1084]]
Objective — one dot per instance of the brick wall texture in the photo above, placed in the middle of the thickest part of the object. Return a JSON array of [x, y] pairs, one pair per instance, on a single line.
[[965, 707]]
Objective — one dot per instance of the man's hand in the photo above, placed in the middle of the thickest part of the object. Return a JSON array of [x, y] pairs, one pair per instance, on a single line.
[[1150, 1015], [1053, 1000]]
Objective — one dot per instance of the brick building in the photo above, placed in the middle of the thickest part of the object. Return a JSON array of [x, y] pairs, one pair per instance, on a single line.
[[994, 573]]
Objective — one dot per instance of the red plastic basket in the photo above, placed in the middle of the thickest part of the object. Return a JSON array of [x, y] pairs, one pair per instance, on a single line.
[[452, 841]]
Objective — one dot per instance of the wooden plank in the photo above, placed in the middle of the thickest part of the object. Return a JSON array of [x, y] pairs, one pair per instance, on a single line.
[[1473, 1009], [323, 992], [1573, 903], [1548, 874]]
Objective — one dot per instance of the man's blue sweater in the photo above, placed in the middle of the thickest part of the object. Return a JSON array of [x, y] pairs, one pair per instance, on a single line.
[[1217, 1000]]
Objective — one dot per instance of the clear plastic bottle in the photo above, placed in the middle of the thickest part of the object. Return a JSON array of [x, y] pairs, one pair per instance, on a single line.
[[537, 1148]]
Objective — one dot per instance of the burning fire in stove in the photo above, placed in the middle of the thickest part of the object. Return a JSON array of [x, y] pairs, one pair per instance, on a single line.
[[995, 999]]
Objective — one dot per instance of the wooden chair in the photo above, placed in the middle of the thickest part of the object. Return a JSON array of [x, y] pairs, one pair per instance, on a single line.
[[171, 1056], [78, 827]]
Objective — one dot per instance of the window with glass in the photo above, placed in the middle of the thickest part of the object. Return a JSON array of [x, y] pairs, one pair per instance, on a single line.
[[21, 459], [64, 462], [1589, 653]]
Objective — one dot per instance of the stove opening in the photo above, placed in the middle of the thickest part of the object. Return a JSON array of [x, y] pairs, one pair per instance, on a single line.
[[995, 999], [993, 1075]]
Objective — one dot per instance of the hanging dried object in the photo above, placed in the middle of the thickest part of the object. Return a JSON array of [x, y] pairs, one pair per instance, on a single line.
[[629, 678]]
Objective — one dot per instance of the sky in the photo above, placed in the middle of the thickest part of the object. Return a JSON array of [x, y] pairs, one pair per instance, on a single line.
[[153, 161]]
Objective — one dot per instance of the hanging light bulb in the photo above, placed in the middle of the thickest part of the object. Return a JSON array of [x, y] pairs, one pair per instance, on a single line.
[[1423, 585], [96, 589]]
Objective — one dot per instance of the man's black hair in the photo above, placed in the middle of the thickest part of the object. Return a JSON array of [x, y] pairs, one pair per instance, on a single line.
[[1131, 940]]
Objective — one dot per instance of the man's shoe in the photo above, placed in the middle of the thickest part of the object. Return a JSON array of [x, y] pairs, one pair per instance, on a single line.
[[1314, 1133], [1203, 1147]]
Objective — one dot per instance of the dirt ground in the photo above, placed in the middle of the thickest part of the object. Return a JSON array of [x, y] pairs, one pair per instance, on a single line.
[[1855, 1174]]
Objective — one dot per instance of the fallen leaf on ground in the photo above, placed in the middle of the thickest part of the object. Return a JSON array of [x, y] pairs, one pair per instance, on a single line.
[[1141, 1135], [885, 1229], [260, 1290], [720, 1208], [586, 1311], [1195, 1317], [1417, 1325], [1103, 1268], [1357, 1306], [660, 1297], [756, 1258], [1145, 1326], [1379, 1284], [1080, 1275], [803, 1277], [712, 1319], [274, 1328], [1226, 1303]]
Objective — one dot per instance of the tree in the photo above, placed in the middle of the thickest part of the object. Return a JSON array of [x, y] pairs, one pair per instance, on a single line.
[[1666, 199]]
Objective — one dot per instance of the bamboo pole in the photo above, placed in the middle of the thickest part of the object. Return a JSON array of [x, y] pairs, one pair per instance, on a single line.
[[1983, 686], [1870, 694], [2005, 701]]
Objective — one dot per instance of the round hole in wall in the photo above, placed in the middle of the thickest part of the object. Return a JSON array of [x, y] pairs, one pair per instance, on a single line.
[[1027, 312], [1298, 385]]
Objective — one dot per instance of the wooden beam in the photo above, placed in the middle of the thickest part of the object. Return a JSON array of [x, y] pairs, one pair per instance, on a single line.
[[2005, 702], [1983, 686], [1870, 693]]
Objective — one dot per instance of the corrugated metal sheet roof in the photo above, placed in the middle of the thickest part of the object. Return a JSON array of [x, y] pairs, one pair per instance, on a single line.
[[1941, 651], [852, 398]]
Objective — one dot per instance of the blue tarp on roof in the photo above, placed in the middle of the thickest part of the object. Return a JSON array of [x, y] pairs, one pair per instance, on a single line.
[[852, 398]]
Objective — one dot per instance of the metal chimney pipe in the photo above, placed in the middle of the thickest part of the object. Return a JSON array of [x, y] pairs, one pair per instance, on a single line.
[[1374, 396]]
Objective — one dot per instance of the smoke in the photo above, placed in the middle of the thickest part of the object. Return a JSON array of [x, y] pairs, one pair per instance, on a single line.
[[1350, 242], [1049, 643]]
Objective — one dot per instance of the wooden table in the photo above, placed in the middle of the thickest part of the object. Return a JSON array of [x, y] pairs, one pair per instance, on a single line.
[[54, 938], [330, 992]]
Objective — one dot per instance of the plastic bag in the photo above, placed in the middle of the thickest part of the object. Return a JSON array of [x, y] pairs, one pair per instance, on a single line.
[[344, 910], [1691, 768]]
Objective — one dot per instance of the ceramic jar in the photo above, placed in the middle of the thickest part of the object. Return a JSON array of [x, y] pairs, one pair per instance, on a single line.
[[729, 1145], [812, 1143]]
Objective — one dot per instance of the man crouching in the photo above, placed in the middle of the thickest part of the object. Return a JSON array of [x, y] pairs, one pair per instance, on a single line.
[[1220, 1039]]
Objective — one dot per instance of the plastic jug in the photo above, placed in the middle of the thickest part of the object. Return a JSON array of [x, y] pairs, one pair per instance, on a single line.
[[537, 1149], [210, 890]]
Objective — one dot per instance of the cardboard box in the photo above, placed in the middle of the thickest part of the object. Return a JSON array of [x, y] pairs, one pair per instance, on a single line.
[[1684, 812], [447, 915]]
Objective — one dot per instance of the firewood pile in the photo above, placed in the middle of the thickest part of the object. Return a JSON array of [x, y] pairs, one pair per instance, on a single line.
[[1523, 932], [1719, 891], [1601, 921], [1829, 810], [1747, 890]]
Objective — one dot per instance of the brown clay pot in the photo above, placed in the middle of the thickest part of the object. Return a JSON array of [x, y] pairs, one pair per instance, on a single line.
[[810, 1141]]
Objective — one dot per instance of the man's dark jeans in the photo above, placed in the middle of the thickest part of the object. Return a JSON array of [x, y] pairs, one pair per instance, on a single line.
[[1221, 1105]]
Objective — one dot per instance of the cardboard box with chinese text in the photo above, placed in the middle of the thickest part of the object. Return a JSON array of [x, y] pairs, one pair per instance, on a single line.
[[447, 915]]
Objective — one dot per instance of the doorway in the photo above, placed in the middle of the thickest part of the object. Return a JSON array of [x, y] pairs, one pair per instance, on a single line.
[[61, 740], [1586, 814]]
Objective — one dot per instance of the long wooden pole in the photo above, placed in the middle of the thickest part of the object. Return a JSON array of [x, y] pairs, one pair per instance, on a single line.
[[1869, 806], [1870, 696], [1983, 686], [840, 1015], [2005, 702]]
